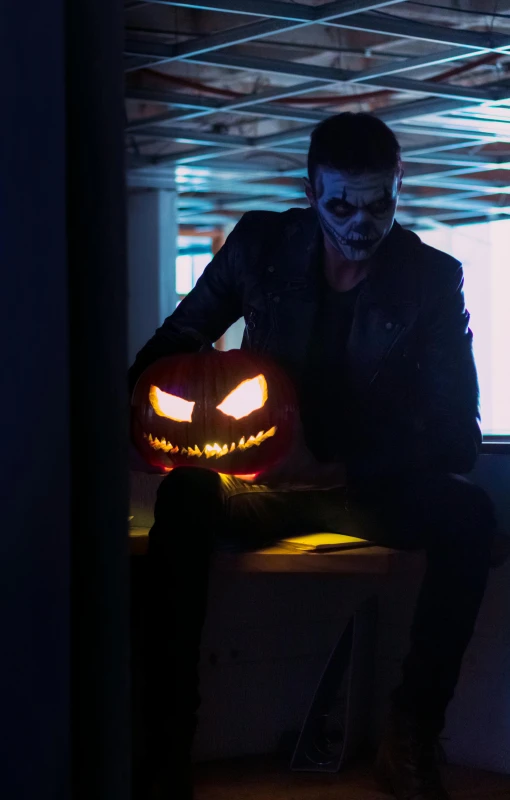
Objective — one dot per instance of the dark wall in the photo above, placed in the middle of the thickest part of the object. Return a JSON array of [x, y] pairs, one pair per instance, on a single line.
[[96, 202], [34, 417], [64, 660]]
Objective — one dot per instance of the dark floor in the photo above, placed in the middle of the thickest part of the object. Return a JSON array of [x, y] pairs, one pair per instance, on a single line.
[[270, 779]]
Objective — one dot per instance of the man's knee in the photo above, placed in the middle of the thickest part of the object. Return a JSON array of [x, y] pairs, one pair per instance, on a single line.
[[189, 504], [190, 479], [190, 488]]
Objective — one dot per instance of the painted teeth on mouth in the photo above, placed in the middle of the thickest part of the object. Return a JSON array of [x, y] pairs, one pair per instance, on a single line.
[[210, 450]]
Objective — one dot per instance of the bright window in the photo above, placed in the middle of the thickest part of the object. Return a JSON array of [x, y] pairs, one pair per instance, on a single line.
[[484, 250], [184, 275], [194, 254]]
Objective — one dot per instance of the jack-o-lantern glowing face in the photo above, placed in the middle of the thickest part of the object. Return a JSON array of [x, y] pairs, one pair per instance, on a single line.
[[231, 412]]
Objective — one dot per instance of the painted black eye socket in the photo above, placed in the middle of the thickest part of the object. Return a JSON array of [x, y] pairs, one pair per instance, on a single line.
[[380, 206], [341, 209]]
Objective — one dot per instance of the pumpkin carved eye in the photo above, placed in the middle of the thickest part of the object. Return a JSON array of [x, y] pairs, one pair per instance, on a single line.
[[170, 406], [249, 396]]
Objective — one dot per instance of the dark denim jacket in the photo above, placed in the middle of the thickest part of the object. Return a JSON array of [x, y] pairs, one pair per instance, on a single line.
[[410, 361]]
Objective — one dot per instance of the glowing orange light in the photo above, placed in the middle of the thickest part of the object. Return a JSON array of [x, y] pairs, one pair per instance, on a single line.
[[249, 396], [170, 406], [210, 449]]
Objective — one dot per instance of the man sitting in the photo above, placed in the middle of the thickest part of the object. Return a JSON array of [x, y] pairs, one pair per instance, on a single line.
[[371, 326]]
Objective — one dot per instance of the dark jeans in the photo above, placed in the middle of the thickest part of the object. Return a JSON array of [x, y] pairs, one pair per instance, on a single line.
[[449, 517]]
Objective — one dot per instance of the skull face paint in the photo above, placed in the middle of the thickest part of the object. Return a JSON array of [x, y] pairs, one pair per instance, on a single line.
[[356, 212]]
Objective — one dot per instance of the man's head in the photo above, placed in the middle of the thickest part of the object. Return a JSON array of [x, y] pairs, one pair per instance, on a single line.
[[354, 178]]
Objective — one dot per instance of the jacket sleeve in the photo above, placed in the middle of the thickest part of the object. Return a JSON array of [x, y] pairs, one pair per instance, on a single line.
[[205, 313], [448, 383]]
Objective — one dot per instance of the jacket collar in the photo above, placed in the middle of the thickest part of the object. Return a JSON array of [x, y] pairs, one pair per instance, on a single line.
[[387, 304], [393, 278]]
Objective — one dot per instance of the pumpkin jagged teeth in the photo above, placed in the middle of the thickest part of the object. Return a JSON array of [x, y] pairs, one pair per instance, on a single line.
[[209, 450], [213, 450]]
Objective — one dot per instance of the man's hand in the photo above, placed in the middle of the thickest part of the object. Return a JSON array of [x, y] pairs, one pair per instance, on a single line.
[[300, 468]]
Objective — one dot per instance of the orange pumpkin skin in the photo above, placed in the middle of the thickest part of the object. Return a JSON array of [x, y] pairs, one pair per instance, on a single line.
[[207, 436]]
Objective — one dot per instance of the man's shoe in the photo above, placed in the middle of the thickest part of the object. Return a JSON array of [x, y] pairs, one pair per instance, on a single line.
[[408, 760]]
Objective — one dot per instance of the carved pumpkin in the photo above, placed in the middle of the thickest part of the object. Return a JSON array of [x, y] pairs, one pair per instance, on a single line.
[[232, 412]]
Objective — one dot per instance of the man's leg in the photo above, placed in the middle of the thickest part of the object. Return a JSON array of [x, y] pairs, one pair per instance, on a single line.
[[197, 510], [187, 515], [447, 515], [453, 520]]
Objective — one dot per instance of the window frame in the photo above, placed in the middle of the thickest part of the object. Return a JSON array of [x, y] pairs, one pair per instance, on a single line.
[[496, 445]]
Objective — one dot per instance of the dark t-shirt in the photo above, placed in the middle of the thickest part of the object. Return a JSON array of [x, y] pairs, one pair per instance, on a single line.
[[324, 399]]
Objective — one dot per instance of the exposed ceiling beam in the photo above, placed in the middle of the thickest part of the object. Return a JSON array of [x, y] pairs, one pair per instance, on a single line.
[[253, 104], [279, 10], [411, 29], [195, 136], [488, 162], [470, 136], [383, 77], [419, 108], [443, 147], [334, 75], [471, 186], [256, 104], [398, 113], [251, 196], [257, 30], [374, 23], [234, 169], [154, 53], [407, 64], [256, 8], [490, 213], [271, 187], [436, 178], [428, 154], [212, 105]]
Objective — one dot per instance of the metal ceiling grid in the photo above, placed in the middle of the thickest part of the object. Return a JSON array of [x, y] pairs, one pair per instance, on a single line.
[[211, 111]]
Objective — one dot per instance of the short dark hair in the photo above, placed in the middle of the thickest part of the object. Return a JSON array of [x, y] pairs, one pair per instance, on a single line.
[[353, 142]]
